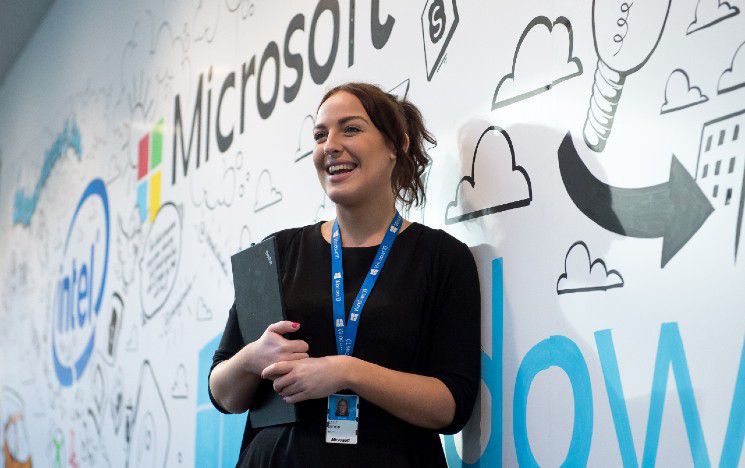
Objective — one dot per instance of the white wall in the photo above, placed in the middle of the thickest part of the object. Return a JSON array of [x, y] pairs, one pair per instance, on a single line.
[[579, 338]]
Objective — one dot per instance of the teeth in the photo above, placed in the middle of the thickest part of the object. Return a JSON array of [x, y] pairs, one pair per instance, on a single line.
[[340, 167]]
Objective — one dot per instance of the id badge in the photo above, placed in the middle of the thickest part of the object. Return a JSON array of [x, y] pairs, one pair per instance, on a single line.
[[342, 419]]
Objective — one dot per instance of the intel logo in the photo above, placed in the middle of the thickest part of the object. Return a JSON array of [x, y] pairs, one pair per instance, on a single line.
[[79, 287]]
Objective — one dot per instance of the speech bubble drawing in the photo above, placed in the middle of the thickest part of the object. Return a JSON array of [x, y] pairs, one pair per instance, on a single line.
[[160, 260]]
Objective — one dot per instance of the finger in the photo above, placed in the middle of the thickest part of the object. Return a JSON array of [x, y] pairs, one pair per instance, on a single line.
[[296, 398], [291, 388], [282, 383], [295, 357], [278, 369], [296, 346], [284, 326]]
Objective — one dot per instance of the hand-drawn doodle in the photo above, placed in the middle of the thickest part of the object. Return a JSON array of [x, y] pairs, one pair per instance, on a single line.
[[149, 429], [15, 441], [439, 20], [733, 77], [326, 210], [68, 139], [582, 274], [205, 21], [305, 138], [709, 13], [98, 388], [133, 342], [401, 90], [129, 244], [112, 318], [179, 388], [720, 168], [673, 210], [543, 58], [204, 236], [160, 259], [244, 239], [225, 191], [72, 460], [266, 194], [203, 312], [622, 51], [150, 61], [679, 94], [494, 155], [243, 7], [117, 402], [58, 449]]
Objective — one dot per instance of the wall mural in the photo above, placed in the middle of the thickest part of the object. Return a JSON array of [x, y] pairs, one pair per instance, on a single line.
[[604, 209]]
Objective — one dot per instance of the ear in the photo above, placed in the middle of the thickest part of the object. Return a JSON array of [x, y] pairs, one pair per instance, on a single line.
[[406, 143]]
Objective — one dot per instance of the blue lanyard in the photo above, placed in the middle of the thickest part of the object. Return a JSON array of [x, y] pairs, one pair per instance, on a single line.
[[346, 334]]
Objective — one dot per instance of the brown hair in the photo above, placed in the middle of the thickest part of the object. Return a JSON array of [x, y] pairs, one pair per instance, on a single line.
[[395, 119]]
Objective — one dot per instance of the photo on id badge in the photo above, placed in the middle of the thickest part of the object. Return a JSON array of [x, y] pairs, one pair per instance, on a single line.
[[341, 419]]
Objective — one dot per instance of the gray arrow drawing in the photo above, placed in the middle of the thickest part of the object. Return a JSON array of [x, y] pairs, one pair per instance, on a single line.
[[673, 210]]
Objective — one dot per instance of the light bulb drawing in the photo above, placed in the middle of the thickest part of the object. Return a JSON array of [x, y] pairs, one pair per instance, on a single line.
[[626, 33]]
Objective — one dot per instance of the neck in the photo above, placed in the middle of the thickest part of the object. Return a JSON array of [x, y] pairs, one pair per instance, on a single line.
[[365, 225]]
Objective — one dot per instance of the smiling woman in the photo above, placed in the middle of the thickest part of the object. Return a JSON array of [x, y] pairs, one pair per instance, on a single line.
[[406, 371]]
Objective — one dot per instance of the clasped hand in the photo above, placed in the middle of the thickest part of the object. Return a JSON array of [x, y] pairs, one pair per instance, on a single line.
[[309, 378]]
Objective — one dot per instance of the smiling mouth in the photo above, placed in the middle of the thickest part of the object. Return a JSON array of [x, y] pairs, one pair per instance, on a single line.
[[343, 168]]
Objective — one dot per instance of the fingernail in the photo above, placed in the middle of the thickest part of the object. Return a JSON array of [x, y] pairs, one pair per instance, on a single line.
[[295, 325]]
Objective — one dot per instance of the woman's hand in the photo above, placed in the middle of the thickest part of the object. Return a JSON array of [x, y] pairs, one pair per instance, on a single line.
[[272, 347], [311, 378]]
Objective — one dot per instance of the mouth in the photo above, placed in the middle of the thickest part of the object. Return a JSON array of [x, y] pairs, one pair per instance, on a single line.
[[338, 172]]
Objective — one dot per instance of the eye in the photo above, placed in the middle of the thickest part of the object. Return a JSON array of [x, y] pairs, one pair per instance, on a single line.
[[318, 135], [351, 129]]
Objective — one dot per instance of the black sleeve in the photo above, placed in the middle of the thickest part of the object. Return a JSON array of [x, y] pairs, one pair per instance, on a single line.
[[230, 343], [455, 356]]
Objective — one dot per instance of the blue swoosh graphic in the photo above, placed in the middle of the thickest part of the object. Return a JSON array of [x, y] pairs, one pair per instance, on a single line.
[[24, 206]]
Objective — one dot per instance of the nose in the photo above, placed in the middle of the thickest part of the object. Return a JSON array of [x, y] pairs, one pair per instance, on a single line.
[[331, 146]]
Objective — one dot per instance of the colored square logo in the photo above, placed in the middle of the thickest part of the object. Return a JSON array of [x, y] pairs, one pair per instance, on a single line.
[[149, 157]]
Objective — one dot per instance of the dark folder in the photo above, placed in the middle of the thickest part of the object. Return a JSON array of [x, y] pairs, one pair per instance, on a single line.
[[258, 301]]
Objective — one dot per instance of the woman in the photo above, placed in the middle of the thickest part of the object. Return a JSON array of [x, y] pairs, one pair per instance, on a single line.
[[414, 361]]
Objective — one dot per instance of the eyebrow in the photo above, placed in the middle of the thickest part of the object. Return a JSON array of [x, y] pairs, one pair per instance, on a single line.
[[343, 120]]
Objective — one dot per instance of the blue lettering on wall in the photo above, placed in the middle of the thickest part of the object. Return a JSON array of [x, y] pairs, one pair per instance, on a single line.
[[561, 352], [79, 292], [491, 373]]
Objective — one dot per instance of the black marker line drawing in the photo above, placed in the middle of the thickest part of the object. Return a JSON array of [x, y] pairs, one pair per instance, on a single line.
[[673, 210], [117, 402], [205, 28], [266, 194], [622, 50], [491, 145], [582, 274], [98, 387], [710, 12], [225, 191], [179, 388], [244, 8], [401, 90], [205, 237], [439, 21], [133, 341], [160, 259], [679, 94], [203, 312], [326, 210], [720, 168], [305, 138], [733, 77], [545, 43], [149, 425], [113, 317]]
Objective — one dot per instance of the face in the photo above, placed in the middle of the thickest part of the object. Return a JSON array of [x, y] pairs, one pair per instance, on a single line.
[[342, 407], [353, 160]]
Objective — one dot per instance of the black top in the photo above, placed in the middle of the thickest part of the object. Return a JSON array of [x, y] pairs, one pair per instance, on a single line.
[[422, 317]]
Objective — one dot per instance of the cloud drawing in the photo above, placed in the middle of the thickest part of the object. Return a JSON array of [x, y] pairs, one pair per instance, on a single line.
[[543, 58], [733, 77], [709, 13], [583, 275], [266, 194], [496, 183], [679, 93]]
